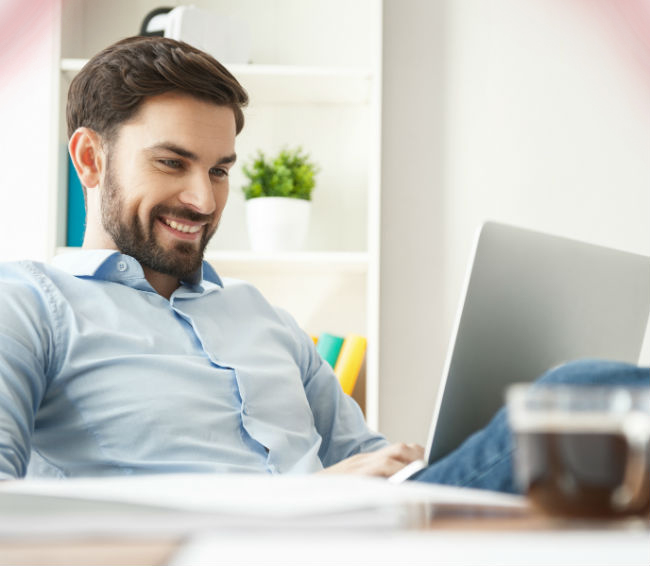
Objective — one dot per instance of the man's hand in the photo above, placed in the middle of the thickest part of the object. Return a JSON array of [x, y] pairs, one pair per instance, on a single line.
[[383, 463]]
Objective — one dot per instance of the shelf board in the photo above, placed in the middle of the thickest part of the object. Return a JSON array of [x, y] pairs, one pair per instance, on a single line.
[[341, 262], [288, 84], [70, 67], [291, 262], [313, 85]]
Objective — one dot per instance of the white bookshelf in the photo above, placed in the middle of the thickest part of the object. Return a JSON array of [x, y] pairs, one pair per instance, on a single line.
[[315, 82]]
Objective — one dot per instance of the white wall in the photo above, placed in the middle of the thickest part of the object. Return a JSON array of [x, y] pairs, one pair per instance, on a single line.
[[546, 125], [412, 330]]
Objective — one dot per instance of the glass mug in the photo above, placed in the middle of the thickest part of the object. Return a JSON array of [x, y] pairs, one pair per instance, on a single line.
[[582, 450]]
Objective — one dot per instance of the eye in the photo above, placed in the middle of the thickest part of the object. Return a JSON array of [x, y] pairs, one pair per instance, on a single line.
[[171, 163], [218, 172]]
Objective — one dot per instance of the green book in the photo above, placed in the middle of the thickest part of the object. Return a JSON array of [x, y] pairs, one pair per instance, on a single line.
[[329, 346]]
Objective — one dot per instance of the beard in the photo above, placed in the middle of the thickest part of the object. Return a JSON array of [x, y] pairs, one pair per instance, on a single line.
[[129, 235]]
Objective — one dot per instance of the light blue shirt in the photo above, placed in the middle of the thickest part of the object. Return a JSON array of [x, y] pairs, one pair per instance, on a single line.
[[100, 375]]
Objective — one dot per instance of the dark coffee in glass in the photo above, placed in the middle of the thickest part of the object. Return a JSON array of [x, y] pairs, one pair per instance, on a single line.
[[582, 451]]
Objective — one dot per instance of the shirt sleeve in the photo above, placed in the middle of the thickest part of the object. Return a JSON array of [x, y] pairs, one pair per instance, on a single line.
[[337, 417], [26, 345]]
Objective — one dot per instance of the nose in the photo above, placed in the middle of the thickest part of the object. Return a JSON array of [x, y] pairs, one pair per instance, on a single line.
[[199, 194]]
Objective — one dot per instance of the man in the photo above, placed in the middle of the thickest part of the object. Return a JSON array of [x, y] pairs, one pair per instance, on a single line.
[[131, 355]]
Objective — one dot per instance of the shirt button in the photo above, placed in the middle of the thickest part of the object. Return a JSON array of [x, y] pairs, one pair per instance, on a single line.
[[121, 266], [244, 408]]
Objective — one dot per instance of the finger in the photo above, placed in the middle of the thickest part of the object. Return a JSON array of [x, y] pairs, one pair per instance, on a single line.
[[388, 468], [418, 449], [383, 463], [405, 452]]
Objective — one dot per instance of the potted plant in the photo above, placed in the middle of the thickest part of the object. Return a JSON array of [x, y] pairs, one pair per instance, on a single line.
[[278, 200]]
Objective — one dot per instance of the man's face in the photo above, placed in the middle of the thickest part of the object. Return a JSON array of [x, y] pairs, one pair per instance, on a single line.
[[166, 181]]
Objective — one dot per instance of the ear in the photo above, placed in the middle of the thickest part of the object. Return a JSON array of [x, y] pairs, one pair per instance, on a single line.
[[88, 156]]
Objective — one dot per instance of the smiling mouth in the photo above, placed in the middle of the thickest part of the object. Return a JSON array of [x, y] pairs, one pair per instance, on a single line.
[[182, 229]]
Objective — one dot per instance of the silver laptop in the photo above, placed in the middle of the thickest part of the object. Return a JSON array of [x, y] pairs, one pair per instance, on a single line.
[[533, 301]]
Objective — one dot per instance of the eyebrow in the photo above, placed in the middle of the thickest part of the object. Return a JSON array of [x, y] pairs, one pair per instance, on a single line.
[[182, 152]]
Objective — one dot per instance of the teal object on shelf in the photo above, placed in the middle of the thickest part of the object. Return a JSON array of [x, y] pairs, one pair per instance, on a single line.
[[76, 209], [329, 347]]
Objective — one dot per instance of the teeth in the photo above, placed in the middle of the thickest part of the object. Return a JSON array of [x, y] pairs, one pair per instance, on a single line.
[[182, 227]]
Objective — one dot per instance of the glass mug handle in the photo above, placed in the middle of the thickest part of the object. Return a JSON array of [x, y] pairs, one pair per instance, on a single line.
[[635, 489]]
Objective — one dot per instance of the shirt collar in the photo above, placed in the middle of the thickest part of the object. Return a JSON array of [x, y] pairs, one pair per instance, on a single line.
[[115, 266]]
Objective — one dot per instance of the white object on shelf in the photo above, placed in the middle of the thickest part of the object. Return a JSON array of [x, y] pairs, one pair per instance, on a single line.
[[227, 39], [277, 224]]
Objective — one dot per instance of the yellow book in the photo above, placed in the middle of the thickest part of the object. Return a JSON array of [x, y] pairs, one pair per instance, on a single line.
[[349, 361]]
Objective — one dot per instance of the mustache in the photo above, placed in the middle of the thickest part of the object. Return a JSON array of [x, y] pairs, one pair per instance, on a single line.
[[181, 213]]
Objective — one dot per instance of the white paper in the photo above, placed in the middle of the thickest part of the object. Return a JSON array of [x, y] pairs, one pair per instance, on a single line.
[[258, 494], [187, 502]]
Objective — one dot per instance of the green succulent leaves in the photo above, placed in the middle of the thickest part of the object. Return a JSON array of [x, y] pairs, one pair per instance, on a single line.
[[289, 174]]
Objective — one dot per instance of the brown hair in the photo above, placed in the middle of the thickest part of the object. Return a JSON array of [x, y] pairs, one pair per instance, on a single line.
[[110, 88]]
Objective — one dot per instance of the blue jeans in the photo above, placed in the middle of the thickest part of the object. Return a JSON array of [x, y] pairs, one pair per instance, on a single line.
[[484, 460]]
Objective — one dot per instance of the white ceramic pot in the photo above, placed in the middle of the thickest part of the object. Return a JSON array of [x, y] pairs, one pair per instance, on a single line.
[[277, 224]]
